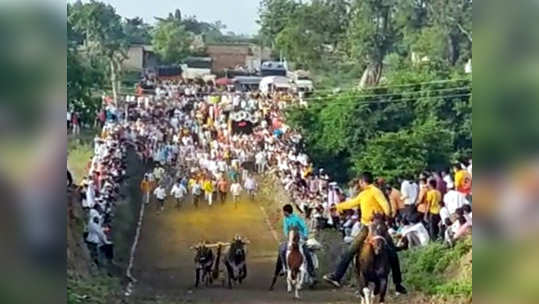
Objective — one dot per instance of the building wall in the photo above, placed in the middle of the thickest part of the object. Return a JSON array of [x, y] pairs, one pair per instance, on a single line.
[[227, 56], [135, 59]]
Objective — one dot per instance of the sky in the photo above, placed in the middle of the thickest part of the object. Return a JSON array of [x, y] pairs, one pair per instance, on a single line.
[[238, 15]]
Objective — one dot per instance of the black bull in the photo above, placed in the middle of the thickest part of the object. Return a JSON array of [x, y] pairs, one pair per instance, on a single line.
[[203, 261], [235, 263]]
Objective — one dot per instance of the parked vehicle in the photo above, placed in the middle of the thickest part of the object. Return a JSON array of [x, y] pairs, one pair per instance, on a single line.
[[247, 83], [273, 68], [274, 83]]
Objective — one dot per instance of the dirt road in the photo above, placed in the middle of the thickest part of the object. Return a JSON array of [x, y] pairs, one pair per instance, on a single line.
[[164, 265]]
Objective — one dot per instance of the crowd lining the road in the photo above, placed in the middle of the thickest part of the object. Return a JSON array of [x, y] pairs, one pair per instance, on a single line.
[[207, 144]]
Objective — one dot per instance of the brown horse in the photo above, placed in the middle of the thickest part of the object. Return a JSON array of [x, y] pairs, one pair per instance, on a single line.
[[295, 262], [372, 262]]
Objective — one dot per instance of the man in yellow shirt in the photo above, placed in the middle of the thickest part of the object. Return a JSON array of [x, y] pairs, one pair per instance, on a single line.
[[432, 215], [207, 185], [370, 201]]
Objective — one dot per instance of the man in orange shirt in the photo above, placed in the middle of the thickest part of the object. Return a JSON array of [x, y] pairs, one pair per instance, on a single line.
[[222, 186], [146, 186], [395, 200], [421, 204]]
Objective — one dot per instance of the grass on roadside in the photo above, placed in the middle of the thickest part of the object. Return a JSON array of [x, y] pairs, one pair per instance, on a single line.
[[78, 156], [92, 290], [439, 271]]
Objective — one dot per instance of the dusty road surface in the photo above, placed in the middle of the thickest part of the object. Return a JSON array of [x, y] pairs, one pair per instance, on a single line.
[[164, 264]]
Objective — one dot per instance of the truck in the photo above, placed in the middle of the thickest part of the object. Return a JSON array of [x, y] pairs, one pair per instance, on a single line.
[[301, 81], [196, 67]]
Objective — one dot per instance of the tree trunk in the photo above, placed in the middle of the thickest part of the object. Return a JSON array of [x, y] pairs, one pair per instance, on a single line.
[[113, 81], [371, 76]]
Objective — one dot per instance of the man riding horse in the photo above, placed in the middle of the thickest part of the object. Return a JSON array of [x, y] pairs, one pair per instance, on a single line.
[[291, 221], [371, 201]]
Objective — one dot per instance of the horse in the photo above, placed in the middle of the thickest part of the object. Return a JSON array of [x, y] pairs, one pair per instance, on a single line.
[[295, 261], [313, 246], [372, 263], [235, 261], [203, 264]]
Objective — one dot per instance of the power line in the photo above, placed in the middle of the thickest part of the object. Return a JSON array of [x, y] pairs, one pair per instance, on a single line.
[[404, 99], [389, 94], [397, 86]]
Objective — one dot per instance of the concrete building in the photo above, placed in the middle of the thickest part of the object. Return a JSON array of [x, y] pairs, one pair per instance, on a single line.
[[232, 55], [140, 57]]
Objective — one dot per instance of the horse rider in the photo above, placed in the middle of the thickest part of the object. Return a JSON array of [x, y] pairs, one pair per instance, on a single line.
[[371, 201], [291, 221]]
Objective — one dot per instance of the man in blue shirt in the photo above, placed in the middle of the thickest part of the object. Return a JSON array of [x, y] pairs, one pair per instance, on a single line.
[[290, 221]]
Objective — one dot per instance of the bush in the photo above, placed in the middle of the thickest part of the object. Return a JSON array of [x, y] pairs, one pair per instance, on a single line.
[[429, 270], [92, 290]]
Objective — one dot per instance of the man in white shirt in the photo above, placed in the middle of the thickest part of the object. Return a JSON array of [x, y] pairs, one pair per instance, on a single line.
[[158, 173], [235, 189], [90, 195], [415, 234], [160, 195], [178, 191], [448, 180], [260, 162], [196, 191], [250, 185], [96, 238], [453, 200], [355, 229], [409, 191]]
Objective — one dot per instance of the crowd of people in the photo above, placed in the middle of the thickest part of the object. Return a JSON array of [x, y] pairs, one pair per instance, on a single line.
[[205, 143]]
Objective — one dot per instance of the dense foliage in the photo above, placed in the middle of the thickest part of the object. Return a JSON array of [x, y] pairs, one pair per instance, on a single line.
[[321, 34], [171, 41], [392, 131], [405, 102], [440, 271]]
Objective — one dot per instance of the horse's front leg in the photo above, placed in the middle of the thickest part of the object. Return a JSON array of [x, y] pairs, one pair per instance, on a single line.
[[363, 290], [302, 273], [367, 295], [289, 280], [383, 289]]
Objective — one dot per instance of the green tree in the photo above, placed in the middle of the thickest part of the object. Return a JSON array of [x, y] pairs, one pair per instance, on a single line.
[[82, 79], [171, 41], [312, 31], [103, 36], [274, 16], [406, 152], [136, 31], [371, 36]]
